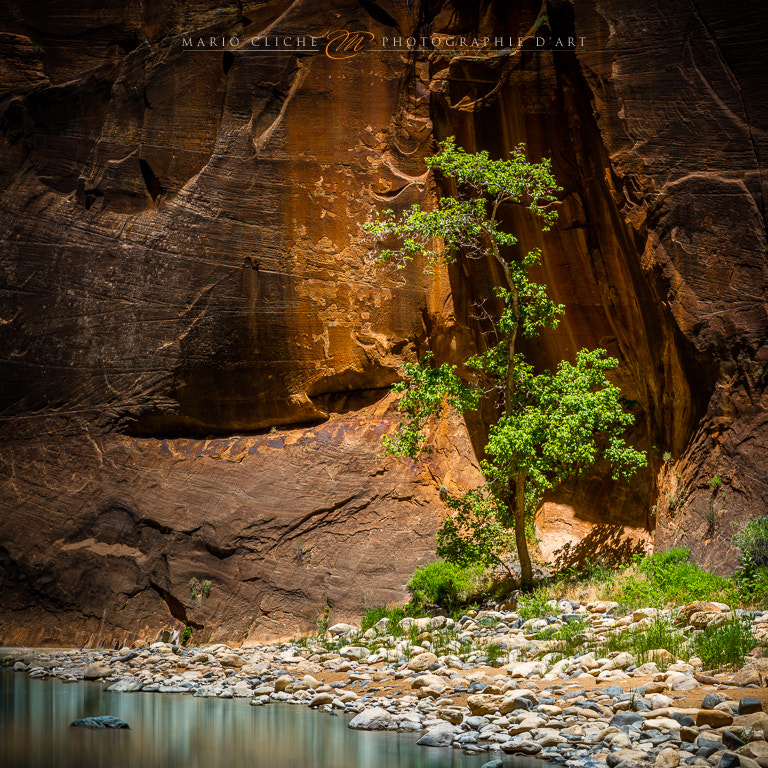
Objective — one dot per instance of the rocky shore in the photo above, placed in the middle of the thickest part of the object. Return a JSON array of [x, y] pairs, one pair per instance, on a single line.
[[432, 676]]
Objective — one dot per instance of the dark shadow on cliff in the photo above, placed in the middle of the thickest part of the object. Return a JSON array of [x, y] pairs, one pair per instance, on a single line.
[[605, 544]]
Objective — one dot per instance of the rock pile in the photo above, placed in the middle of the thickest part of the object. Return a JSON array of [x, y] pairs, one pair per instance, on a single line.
[[587, 709]]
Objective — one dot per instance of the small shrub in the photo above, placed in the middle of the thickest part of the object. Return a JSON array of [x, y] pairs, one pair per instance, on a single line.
[[752, 541], [199, 588], [442, 583], [372, 616], [571, 638], [724, 646], [641, 642], [676, 500], [670, 577], [494, 653], [322, 622], [711, 520], [597, 571], [715, 482], [534, 606], [667, 457], [186, 635]]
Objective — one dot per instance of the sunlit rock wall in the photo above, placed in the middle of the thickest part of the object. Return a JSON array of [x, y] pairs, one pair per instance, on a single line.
[[183, 271]]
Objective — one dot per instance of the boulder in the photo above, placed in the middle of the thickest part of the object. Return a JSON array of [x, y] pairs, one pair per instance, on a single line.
[[319, 699], [373, 719], [96, 670], [711, 700], [439, 736], [355, 652], [486, 704], [422, 662], [748, 676], [667, 758], [663, 724], [622, 755], [521, 746], [525, 669], [126, 685], [341, 629], [714, 717], [101, 721], [749, 705]]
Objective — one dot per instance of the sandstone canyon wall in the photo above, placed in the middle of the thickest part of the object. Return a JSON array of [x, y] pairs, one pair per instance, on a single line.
[[196, 343]]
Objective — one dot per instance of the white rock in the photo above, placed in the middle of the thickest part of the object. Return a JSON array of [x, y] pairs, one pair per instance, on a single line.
[[373, 719], [126, 685], [341, 629], [525, 669], [356, 652]]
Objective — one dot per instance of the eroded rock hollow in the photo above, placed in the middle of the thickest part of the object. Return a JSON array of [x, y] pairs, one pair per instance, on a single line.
[[197, 344]]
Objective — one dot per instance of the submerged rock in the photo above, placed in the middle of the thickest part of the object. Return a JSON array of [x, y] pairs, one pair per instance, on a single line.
[[101, 721]]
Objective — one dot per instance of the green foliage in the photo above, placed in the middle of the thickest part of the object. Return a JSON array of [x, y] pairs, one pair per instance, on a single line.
[[543, 19], [641, 642], [478, 532], [534, 605], [724, 646], [676, 500], [372, 616], [470, 221], [555, 424], [495, 654], [425, 392], [323, 621], [563, 423], [570, 638], [442, 583], [186, 635], [752, 542], [199, 588], [670, 577], [667, 457], [715, 482], [597, 571]]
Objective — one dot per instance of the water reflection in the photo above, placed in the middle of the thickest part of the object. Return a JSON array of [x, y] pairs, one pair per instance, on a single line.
[[179, 731]]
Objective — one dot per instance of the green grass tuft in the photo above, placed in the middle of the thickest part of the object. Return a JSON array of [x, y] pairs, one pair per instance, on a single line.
[[724, 647]]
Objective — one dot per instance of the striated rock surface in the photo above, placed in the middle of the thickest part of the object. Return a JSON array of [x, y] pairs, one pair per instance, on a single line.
[[183, 269], [272, 529]]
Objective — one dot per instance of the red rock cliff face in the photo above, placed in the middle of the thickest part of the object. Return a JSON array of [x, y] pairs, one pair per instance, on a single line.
[[183, 271]]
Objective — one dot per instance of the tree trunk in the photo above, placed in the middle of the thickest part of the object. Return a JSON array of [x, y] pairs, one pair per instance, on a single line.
[[517, 499], [526, 570]]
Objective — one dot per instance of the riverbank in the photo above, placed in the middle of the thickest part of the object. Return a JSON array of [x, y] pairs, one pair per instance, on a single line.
[[432, 676]]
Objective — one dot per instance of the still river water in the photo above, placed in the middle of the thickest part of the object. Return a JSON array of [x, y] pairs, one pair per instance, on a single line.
[[180, 731]]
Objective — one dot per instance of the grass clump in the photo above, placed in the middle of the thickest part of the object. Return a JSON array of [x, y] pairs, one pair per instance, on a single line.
[[444, 584], [644, 643], [570, 639], [725, 646], [496, 654], [372, 616], [670, 577], [534, 606]]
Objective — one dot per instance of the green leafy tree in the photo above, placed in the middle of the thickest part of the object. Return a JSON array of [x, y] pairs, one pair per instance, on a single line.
[[552, 425]]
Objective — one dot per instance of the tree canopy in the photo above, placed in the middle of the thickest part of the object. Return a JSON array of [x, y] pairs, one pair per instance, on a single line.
[[552, 425]]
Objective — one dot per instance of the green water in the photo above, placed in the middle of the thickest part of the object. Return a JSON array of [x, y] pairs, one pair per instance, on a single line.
[[180, 731]]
